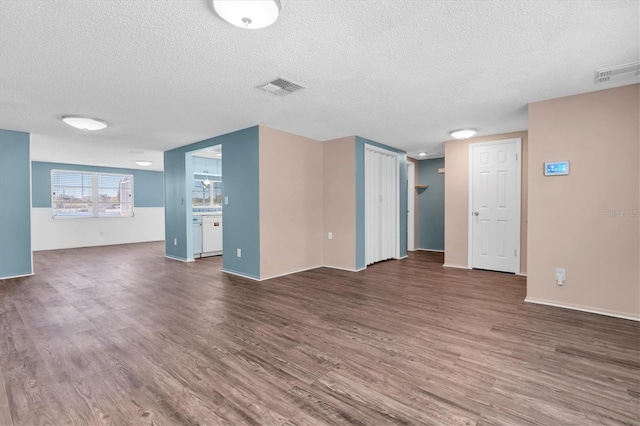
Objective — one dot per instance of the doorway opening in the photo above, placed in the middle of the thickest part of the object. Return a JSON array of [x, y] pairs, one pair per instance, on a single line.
[[206, 201], [411, 202]]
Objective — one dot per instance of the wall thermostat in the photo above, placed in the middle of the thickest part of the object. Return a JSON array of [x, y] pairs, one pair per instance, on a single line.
[[556, 168]]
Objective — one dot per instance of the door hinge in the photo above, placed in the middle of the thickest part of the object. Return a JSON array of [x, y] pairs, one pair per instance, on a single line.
[[516, 157], [515, 253]]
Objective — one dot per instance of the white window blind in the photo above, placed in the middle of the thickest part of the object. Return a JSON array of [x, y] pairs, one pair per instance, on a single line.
[[77, 194]]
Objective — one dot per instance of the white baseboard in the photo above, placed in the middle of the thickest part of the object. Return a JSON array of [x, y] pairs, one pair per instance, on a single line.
[[289, 273], [16, 276], [582, 309], [179, 259], [238, 274], [435, 251], [522, 274], [449, 265], [343, 268]]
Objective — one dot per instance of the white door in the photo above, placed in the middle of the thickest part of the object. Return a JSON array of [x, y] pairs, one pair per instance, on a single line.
[[495, 205], [381, 205], [411, 193]]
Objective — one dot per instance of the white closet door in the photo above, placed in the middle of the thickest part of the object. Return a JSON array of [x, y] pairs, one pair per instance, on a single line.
[[381, 206], [372, 202], [390, 206]]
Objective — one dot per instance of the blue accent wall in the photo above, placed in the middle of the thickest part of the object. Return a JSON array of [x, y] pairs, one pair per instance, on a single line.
[[360, 214], [15, 208], [431, 205], [241, 217], [147, 185], [175, 206]]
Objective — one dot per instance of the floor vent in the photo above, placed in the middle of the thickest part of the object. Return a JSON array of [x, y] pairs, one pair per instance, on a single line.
[[617, 73], [281, 87]]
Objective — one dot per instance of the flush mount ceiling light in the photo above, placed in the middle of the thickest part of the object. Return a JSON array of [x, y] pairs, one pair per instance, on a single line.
[[422, 154], [143, 163], [463, 133], [250, 14], [84, 123]]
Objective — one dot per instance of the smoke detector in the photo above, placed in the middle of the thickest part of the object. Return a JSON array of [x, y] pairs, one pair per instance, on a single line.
[[281, 87], [617, 73]]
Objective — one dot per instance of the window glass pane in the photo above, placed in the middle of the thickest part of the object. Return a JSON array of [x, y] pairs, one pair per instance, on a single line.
[[201, 196], [115, 195], [217, 197], [71, 194]]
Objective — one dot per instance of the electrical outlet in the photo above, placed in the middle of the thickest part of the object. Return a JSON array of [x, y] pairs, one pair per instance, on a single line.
[[561, 276], [239, 252], [330, 236], [226, 199], [175, 241]]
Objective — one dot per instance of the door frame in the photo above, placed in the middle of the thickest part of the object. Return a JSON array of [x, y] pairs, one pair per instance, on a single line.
[[411, 202], [518, 142], [397, 202]]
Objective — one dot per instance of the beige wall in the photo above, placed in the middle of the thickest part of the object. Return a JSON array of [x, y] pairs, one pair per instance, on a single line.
[[416, 204], [290, 202], [339, 202], [456, 199], [587, 221]]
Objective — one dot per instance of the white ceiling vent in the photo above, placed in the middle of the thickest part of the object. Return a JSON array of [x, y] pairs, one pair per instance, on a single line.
[[281, 87], [617, 73]]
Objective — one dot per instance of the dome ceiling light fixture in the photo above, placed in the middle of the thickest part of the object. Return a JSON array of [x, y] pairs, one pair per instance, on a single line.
[[84, 123], [249, 14], [143, 163], [422, 154], [463, 133]]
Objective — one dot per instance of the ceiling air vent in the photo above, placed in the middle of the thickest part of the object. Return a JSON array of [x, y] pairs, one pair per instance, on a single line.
[[281, 87], [617, 73]]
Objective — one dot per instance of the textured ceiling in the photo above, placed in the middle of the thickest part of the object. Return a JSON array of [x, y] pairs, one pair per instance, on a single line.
[[404, 73]]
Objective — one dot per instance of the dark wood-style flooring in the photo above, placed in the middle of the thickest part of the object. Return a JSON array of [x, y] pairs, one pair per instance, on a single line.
[[122, 335]]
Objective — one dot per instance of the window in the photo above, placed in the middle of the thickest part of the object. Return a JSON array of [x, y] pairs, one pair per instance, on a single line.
[[206, 196], [86, 194]]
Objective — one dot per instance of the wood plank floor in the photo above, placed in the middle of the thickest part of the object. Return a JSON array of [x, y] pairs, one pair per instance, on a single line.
[[121, 335]]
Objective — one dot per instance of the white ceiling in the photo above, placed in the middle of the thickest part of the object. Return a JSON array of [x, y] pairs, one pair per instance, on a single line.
[[403, 72]]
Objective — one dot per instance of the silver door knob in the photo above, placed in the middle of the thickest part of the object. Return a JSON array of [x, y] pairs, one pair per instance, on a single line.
[[476, 213]]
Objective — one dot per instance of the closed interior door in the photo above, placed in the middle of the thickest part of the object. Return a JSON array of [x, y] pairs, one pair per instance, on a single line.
[[495, 206], [381, 205]]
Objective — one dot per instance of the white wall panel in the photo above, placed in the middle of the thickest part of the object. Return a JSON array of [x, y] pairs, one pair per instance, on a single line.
[[50, 234]]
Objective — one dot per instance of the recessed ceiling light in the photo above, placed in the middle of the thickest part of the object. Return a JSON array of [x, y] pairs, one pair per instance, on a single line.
[[422, 154], [463, 133], [250, 14], [84, 123], [143, 163]]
